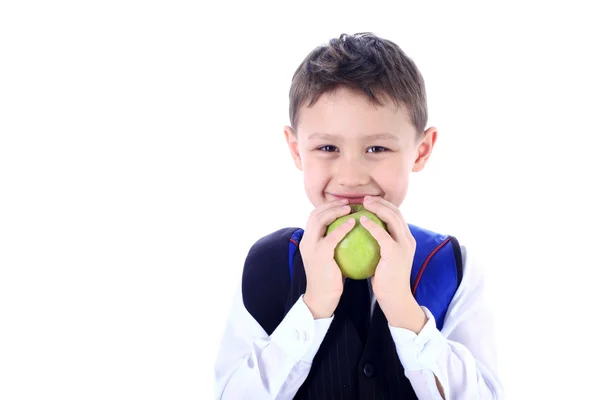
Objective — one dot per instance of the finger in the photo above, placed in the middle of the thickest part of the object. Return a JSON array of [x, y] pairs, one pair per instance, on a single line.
[[330, 205], [382, 202], [324, 207], [381, 235], [336, 235], [404, 225], [327, 217], [389, 215], [323, 215], [398, 213]]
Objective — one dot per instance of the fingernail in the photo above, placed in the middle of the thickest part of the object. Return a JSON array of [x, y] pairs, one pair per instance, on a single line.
[[363, 218]]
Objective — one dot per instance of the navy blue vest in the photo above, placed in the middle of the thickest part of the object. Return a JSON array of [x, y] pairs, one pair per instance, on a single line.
[[348, 365]]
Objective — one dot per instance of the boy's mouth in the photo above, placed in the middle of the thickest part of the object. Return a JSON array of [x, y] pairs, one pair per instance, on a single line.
[[354, 199]]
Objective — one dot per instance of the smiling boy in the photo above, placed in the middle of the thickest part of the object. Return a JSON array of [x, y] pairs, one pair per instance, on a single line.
[[420, 327]]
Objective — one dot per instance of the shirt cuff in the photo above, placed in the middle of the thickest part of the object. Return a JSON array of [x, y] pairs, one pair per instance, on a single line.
[[299, 333], [419, 352]]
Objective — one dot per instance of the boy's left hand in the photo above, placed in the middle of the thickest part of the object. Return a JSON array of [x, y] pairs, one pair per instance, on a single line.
[[391, 282]]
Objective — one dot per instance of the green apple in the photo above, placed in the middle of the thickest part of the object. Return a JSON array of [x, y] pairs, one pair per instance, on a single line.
[[357, 254]]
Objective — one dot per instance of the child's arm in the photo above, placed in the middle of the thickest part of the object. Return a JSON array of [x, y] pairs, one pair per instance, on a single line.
[[251, 362], [460, 361], [275, 366]]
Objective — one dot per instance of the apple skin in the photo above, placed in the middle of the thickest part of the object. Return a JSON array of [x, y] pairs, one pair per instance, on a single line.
[[357, 254]]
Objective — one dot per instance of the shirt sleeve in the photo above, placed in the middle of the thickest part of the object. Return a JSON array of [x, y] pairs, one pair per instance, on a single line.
[[462, 355], [269, 367]]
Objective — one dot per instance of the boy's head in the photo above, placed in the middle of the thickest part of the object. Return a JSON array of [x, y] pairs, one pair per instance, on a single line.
[[358, 113]]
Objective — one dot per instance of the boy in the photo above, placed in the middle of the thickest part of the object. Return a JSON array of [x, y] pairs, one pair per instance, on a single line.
[[298, 328]]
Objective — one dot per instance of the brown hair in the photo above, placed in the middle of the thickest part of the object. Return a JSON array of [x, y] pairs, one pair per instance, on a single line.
[[363, 62]]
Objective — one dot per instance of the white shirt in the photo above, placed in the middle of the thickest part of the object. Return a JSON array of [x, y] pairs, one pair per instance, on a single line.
[[253, 365]]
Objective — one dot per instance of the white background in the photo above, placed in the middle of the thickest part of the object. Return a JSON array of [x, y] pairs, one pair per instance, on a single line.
[[142, 153]]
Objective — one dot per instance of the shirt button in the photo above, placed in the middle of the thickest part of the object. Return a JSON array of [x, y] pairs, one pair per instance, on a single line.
[[368, 370], [301, 336]]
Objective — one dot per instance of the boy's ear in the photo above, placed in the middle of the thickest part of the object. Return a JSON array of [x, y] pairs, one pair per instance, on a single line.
[[425, 148], [292, 142]]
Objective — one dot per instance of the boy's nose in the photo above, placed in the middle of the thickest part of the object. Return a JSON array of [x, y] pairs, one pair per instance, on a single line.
[[351, 173]]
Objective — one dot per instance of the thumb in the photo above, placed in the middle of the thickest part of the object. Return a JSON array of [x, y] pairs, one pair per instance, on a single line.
[[339, 233]]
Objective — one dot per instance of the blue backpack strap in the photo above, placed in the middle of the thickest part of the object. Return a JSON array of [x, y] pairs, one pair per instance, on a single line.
[[293, 248], [436, 272]]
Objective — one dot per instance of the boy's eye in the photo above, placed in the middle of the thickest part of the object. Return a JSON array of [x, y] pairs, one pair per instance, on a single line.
[[376, 149], [328, 148]]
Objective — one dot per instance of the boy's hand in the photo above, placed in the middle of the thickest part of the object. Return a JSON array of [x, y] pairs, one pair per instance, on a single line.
[[391, 283], [324, 283]]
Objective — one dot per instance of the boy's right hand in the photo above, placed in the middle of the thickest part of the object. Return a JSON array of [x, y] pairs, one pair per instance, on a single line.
[[324, 283]]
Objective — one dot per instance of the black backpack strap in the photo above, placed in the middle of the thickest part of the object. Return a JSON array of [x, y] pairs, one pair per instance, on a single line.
[[265, 278], [459, 259]]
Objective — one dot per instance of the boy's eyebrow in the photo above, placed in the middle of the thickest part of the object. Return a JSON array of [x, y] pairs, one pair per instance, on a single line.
[[373, 136], [319, 135]]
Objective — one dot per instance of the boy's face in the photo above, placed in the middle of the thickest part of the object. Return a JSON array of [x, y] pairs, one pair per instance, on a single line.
[[348, 148]]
